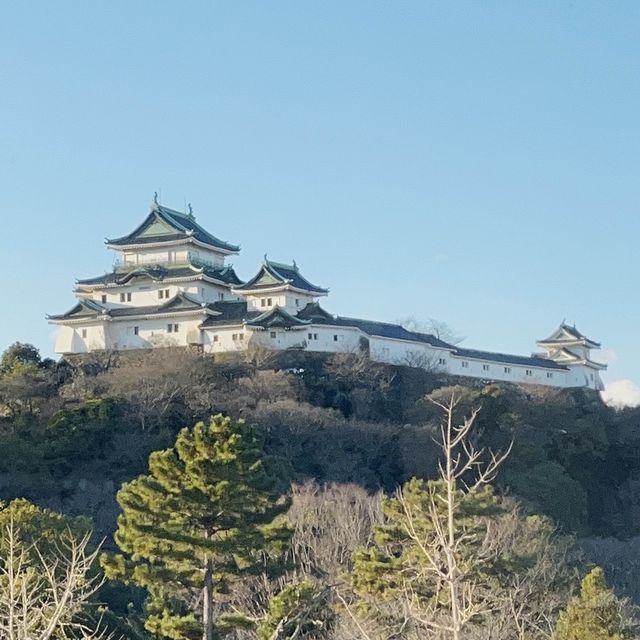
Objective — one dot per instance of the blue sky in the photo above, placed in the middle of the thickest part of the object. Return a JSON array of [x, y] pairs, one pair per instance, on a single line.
[[472, 162]]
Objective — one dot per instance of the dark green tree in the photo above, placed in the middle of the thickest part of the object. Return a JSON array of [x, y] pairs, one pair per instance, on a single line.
[[596, 614], [300, 610], [19, 353], [207, 512]]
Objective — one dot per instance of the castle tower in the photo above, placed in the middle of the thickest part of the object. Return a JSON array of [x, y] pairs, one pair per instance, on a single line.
[[567, 346]]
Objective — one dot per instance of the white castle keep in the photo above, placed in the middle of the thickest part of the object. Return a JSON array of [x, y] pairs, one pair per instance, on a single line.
[[171, 287]]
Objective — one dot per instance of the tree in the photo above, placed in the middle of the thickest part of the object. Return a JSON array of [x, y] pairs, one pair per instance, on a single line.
[[596, 614], [24, 377], [206, 513], [46, 577], [300, 610], [430, 568], [19, 353]]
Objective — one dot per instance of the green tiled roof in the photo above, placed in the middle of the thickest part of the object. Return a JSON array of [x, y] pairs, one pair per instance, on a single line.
[[275, 274], [166, 225], [158, 273]]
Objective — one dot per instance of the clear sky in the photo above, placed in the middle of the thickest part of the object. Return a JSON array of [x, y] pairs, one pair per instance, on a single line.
[[474, 162]]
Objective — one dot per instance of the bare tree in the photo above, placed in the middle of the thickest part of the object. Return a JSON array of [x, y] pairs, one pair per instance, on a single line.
[[45, 596], [432, 557], [437, 328]]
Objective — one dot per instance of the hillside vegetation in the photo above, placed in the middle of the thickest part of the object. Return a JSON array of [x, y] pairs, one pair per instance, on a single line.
[[341, 432]]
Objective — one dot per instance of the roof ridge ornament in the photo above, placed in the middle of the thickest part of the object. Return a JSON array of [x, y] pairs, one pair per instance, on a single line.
[[190, 214]]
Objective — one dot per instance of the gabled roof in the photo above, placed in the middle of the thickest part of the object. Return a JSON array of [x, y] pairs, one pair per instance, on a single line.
[[507, 358], [83, 309], [277, 317], [314, 312], [566, 334], [167, 225], [274, 275], [158, 273], [229, 312], [389, 330]]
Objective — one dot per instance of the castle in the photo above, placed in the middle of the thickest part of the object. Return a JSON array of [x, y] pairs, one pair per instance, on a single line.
[[171, 287]]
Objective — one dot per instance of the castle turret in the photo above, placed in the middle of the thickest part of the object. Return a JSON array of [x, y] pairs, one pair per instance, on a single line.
[[567, 346]]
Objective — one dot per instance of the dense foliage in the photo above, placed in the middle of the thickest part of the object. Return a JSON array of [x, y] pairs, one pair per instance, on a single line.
[[72, 433]]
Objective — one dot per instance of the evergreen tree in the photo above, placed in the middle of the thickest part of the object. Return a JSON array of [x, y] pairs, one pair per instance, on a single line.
[[300, 610], [597, 614], [206, 513]]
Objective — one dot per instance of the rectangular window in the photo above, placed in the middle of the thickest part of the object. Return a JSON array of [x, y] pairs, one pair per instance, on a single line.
[[222, 296], [297, 302], [507, 369], [315, 336], [242, 336], [163, 294], [136, 331], [442, 361], [485, 367], [263, 302], [269, 302], [234, 336], [215, 338], [172, 328], [465, 365], [176, 327], [335, 338], [273, 334], [104, 298], [122, 297], [528, 372], [549, 374], [84, 333], [310, 336]]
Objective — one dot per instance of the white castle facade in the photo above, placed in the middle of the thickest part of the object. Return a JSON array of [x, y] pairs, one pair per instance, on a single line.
[[171, 287]]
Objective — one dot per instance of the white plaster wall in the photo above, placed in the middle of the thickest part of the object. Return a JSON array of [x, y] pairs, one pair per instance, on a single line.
[[172, 255], [285, 300], [220, 340], [79, 338], [506, 372], [146, 295], [406, 353], [152, 333]]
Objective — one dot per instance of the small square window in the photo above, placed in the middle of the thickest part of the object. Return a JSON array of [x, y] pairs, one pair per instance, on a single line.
[[335, 338], [241, 336], [528, 372], [465, 365], [549, 374], [273, 334], [442, 361], [485, 367], [234, 336], [269, 302], [215, 338], [310, 336], [507, 369]]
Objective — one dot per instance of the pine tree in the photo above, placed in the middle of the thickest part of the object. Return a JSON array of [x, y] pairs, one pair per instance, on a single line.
[[206, 513], [597, 614]]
